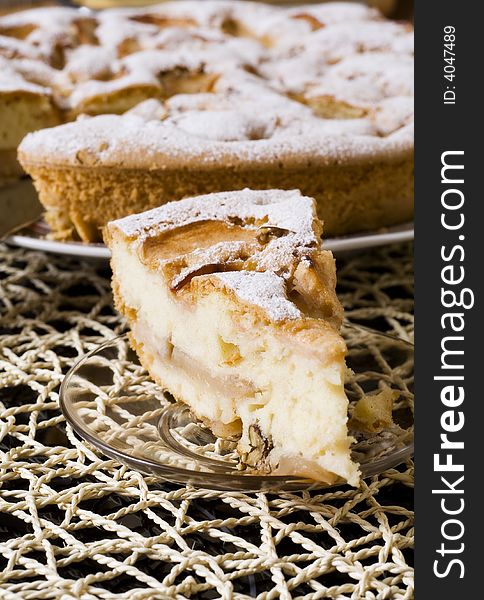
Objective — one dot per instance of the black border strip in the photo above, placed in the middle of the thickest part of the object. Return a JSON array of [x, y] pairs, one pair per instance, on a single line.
[[446, 567]]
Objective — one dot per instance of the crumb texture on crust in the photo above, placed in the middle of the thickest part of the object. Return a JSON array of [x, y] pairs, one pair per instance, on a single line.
[[80, 201], [232, 307]]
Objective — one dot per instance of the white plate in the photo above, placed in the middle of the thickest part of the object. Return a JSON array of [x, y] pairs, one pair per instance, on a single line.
[[33, 239]]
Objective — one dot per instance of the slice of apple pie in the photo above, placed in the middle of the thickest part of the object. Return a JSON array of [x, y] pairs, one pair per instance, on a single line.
[[232, 308]]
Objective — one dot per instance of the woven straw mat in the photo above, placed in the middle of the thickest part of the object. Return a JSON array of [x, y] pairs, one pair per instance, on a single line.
[[76, 525]]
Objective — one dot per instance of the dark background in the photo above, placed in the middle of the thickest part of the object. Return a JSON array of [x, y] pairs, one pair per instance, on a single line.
[[440, 128]]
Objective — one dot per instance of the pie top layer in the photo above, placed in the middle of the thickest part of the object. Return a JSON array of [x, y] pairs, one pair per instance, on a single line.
[[236, 81], [261, 246]]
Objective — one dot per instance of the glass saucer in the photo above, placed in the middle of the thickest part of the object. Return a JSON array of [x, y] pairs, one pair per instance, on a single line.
[[111, 402]]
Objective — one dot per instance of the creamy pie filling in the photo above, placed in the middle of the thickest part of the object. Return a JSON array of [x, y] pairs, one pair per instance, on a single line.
[[287, 404]]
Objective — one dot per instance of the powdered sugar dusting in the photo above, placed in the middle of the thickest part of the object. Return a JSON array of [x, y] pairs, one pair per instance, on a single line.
[[265, 289], [225, 125], [278, 136], [43, 17], [12, 81], [286, 81], [13, 48], [282, 232], [284, 209]]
